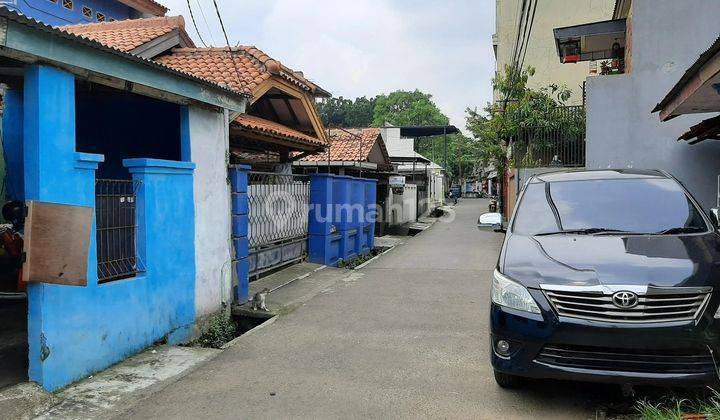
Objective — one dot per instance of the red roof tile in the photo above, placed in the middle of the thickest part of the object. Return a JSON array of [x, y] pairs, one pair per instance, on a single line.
[[253, 67], [351, 145], [126, 35], [261, 126]]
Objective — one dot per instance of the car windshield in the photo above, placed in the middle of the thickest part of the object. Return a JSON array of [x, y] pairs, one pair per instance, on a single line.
[[617, 206]]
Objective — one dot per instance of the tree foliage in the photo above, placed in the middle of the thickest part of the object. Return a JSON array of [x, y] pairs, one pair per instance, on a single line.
[[524, 111], [405, 108], [341, 112]]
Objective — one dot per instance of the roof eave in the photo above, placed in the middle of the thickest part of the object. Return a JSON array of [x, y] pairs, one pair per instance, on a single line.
[[31, 41], [145, 6]]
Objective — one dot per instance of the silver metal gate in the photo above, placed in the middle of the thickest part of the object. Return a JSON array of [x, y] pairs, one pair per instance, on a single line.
[[278, 219]]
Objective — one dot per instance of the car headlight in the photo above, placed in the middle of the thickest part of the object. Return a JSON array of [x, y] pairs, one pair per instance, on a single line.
[[506, 292], [717, 313]]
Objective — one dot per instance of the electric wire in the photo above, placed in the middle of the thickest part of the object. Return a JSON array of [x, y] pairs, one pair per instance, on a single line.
[[192, 17], [202, 13], [227, 41]]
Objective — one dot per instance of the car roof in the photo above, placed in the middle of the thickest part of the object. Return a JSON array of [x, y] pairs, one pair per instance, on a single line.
[[569, 175]]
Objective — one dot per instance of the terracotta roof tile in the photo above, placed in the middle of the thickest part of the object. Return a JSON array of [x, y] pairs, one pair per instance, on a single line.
[[254, 67], [351, 145], [265, 127], [215, 64], [126, 35]]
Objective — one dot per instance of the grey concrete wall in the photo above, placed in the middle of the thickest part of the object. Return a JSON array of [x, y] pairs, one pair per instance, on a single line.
[[667, 36], [209, 143]]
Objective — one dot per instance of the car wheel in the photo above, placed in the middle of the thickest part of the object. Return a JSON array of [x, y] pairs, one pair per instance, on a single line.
[[507, 381]]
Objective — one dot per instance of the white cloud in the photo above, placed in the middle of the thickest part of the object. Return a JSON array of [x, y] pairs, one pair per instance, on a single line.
[[367, 47]]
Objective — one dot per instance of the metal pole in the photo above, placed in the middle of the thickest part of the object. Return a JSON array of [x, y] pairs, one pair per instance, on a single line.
[[445, 163]]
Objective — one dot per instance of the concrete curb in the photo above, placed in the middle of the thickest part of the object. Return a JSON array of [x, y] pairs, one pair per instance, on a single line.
[[375, 257], [237, 339], [306, 275]]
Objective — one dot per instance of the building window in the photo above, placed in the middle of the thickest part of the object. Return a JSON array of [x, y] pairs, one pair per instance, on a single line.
[[100, 17], [68, 4], [87, 12], [116, 222]]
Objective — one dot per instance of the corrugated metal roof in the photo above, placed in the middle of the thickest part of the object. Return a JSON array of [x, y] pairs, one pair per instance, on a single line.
[[701, 61]]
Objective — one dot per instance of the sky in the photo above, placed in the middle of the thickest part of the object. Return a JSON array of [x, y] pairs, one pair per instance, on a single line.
[[366, 47]]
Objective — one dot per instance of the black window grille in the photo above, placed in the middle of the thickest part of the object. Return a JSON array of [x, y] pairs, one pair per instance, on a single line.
[[116, 222]]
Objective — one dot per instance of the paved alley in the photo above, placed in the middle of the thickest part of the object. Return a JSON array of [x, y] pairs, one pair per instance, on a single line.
[[407, 339]]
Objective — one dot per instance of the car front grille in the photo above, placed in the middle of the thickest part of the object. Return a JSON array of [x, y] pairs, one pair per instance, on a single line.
[[627, 360], [657, 305]]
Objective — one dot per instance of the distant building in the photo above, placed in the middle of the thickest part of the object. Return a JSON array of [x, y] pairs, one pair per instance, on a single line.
[[68, 12], [540, 47], [660, 39]]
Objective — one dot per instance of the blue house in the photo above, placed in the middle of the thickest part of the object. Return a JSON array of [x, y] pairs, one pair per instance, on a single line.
[[140, 144], [68, 12]]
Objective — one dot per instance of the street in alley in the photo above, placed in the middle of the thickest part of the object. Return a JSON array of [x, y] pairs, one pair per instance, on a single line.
[[406, 338]]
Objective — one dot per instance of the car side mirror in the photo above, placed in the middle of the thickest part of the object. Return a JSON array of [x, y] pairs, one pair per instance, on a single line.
[[491, 221], [715, 216]]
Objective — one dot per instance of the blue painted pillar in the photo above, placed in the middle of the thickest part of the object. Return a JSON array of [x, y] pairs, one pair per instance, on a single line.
[[324, 238], [240, 210], [166, 240], [12, 127], [185, 145], [53, 173]]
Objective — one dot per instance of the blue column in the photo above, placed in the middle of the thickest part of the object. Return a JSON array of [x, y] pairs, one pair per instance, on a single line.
[[166, 243], [185, 145], [240, 209], [53, 173], [12, 129]]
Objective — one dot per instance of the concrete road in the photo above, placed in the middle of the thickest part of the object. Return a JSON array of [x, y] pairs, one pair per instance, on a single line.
[[408, 339]]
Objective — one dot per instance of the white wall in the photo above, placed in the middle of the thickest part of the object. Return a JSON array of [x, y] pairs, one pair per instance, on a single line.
[[209, 145], [667, 38]]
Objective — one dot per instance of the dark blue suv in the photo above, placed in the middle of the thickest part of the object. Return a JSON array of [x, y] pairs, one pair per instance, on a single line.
[[606, 276]]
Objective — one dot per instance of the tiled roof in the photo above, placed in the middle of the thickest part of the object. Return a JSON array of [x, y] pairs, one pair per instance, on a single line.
[[261, 126], [253, 66], [126, 35], [215, 64], [34, 24], [351, 145]]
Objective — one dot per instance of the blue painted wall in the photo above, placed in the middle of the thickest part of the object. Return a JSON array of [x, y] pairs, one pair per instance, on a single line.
[[53, 13], [122, 126], [341, 218], [76, 331]]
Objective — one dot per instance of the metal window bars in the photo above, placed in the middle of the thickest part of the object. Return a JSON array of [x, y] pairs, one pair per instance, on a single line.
[[116, 223], [278, 208]]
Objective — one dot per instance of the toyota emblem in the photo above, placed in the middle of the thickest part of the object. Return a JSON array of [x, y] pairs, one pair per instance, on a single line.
[[625, 299]]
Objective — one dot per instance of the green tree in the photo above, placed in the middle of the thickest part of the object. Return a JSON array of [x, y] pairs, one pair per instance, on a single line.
[[531, 112], [405, 108], [341, 112]]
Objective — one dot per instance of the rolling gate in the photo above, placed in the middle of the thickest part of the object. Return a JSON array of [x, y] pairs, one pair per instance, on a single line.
[[277, 220]]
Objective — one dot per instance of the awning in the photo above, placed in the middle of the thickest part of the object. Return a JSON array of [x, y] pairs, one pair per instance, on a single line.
[[428, 130], [252, 128], [698, 90], [707, 130], [592, 41]]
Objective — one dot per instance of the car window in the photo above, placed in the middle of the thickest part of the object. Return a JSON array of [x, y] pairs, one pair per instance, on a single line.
[[632, 205]]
